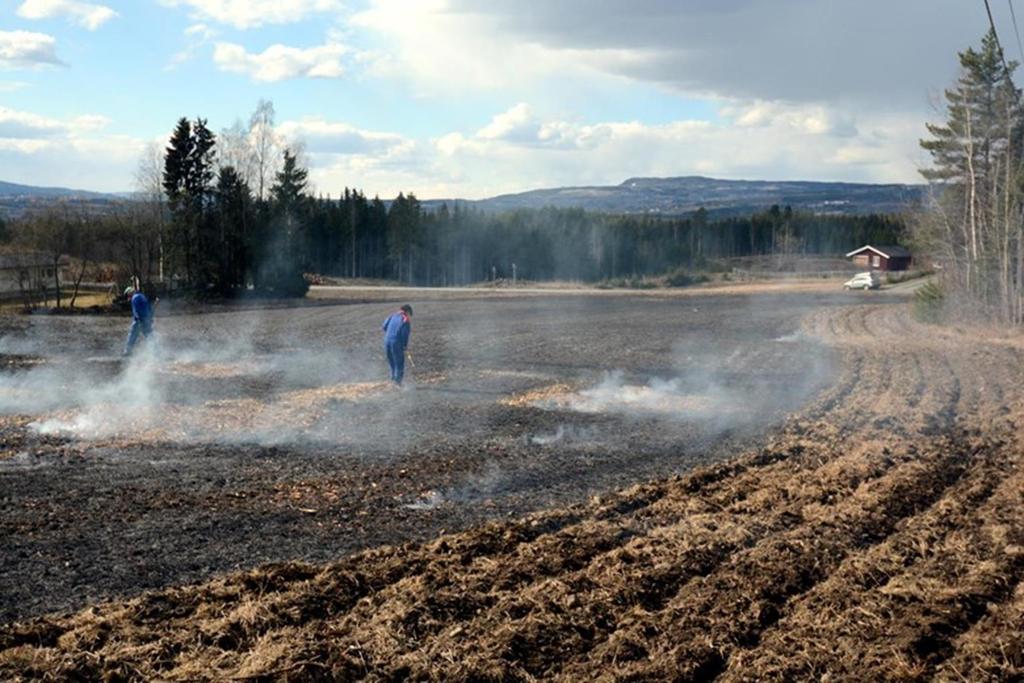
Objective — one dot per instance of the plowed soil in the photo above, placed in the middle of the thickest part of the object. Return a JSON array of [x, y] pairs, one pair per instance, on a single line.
[[877, 533]]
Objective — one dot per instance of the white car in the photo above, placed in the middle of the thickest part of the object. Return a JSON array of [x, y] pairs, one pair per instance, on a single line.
[[863, 281]]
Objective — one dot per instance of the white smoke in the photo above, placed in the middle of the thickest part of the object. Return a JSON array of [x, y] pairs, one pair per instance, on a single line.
[[657, 397], [567, 434], [427, 501], [125, 403], [192, 392]]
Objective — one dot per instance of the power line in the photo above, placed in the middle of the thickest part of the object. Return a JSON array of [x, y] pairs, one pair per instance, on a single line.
[[995, 35], [1013, 15]]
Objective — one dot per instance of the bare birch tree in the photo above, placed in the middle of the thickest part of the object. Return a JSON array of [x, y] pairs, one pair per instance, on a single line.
[[149, 178], [266, 147]]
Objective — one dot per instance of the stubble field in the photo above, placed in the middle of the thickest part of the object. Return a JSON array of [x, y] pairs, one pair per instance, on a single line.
[[730, 486]]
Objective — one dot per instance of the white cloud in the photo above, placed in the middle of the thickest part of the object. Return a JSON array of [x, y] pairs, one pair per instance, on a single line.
[[343, 155], [73, 152], [200, 32], [438, 51], [246, 14], [795, 50], [406, 168], [810, 119], [102, 164], [520, 125], [871, 53], [89, 122], [281, 62], [516, 124], [85, 14], [23, 146], [322, 137], [520, 150], [24, 49], [517, 149], [197, 36], [23, 125], [800, 93]]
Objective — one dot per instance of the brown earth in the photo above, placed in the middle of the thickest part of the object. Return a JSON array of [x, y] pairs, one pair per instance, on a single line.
[[878, 534], [260, 435]]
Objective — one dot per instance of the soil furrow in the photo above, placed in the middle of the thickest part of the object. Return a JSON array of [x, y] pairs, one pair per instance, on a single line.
[[825, 630], [845, 385], [698, 630], [651, 568], [993, 648]]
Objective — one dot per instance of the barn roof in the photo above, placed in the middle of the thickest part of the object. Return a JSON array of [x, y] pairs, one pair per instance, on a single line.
[[888, 251]]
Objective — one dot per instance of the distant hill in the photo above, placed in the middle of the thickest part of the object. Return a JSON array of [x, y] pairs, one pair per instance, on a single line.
[[16, 199], [656, 196], [683, 195], [8, 190]]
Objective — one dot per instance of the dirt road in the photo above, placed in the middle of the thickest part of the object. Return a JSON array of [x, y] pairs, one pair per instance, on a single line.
[[877, 534]]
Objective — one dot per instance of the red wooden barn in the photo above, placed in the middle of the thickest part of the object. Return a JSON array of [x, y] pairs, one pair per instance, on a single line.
[[881, 258]]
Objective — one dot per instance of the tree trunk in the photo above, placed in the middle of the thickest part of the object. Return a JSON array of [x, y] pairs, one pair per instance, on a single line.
[[78, 282], [971, 201], [56, 278], [353, 213]]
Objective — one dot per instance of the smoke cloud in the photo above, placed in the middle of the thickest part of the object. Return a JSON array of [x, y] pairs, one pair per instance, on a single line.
[[592, 374]]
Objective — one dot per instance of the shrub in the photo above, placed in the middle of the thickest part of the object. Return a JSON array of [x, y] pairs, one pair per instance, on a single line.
[[928, 301], [713, 266], [680, 278], [285, 283], [633, 282]]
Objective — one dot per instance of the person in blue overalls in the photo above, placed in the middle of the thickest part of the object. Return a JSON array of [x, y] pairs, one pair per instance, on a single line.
[[142, 319], [396, 339]]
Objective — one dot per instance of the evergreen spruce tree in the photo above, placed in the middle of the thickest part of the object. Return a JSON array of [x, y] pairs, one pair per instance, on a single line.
[[289, 254], [201, 192], [177, 161], [976, 229], [232, 219], [177, 183]]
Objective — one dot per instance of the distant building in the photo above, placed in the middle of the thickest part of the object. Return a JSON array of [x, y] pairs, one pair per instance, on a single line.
[[30, 271], [881, 258]]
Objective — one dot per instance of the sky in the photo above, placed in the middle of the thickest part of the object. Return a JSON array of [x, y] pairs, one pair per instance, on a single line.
[[473, 98]]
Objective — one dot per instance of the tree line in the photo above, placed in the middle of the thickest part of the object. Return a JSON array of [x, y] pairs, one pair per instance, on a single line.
[[459, 244], [232, 212], [226, 235]]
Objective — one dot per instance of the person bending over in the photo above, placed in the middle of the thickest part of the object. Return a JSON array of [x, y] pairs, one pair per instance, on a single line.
[[396, 339]]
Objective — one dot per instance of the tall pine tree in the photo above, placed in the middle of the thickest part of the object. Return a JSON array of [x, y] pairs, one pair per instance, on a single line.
[[177, 182], [976, 230], [286, 248]]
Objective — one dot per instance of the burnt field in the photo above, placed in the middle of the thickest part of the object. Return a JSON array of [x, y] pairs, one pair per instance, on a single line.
[[641, 488], [250, 436]]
